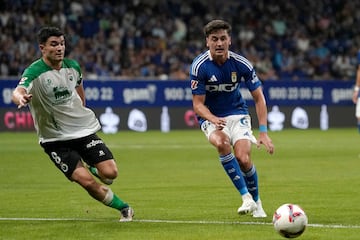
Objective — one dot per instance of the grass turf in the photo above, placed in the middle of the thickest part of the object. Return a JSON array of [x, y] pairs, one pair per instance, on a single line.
[[179, 190]]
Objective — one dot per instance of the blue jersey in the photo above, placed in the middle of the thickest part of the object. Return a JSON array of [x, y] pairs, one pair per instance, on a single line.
[[221, 84]]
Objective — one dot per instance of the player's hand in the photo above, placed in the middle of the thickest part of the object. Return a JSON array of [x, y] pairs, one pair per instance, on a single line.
[[24, 100], [266, 141], [220, 123]]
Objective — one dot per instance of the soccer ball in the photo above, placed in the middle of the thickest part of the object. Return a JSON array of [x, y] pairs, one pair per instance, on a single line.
[[290, 220]]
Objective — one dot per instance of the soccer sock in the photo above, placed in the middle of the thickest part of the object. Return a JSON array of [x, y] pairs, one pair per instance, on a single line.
[[232, 169], [114, 201], [251, 180], [94, 171], [358, 125]]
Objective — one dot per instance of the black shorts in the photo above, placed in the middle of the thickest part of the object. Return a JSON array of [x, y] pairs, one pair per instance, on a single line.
[[66, 154]]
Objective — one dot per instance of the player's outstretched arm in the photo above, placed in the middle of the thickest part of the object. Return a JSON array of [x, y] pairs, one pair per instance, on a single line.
[[266, 141], [20, 97], [261, 111]]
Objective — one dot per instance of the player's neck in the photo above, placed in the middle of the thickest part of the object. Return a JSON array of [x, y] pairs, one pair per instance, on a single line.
[[220, 60], [54, 64]]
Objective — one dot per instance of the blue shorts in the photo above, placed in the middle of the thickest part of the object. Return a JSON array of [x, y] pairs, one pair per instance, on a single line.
[[67, 154]]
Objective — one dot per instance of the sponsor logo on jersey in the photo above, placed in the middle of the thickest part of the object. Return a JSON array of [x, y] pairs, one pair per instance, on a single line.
[[226, 87], [61, 93], [213, 79]]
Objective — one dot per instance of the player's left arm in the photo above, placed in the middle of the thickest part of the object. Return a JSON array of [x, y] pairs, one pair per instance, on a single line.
[[80, 90], [261, 112], [357, 85]]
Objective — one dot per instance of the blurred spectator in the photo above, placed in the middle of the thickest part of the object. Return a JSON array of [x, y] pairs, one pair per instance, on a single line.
[[152, 39]]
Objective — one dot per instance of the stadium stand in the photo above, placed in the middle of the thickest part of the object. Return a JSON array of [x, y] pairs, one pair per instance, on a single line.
[[285, 40]]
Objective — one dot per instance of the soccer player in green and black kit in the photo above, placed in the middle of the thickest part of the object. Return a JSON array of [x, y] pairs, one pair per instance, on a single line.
[[52, 88]]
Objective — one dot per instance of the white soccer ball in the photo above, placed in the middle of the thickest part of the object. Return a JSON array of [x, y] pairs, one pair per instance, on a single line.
[[290, 220]]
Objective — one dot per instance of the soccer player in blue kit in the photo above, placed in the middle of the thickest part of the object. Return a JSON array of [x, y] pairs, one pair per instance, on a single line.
[[222, 112]]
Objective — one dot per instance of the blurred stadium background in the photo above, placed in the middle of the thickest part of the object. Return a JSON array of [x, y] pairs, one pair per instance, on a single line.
[[304, 51]]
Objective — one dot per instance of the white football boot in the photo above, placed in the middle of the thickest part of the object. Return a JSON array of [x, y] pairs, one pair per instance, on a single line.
[[248, 206], [259, 211], [127, 214]]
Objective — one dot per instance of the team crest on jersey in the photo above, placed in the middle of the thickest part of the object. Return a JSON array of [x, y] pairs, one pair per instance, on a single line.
[[233, 77], [194, 84]]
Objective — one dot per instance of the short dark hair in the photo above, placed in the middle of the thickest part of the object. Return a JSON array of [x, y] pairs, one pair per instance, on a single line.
[[215, 25], [45, 32]]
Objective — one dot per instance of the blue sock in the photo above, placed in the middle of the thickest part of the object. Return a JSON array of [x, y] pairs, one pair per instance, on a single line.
[[251, 180], [358, 127], [232, 169]]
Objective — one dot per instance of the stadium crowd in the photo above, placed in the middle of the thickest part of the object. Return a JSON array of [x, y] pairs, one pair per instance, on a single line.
[[135, 39]]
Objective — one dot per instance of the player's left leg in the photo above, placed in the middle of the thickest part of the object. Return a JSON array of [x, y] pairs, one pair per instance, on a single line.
[[251, 180], [101, 193]]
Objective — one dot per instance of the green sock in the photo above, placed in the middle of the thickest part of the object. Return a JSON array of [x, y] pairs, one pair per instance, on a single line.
[[114, 201], [118, 203], [94, 171]]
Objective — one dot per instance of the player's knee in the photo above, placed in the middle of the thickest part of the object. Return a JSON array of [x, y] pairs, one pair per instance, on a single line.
[[244, 160], [109, 173], [223, 145]]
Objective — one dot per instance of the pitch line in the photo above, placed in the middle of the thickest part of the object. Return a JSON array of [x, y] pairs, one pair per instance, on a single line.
[[157, 146], [315, 225]]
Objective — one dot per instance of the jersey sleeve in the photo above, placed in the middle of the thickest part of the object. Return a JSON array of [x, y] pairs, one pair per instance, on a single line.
[[252, 81], [71, 63], [198, 76], [31, 73]]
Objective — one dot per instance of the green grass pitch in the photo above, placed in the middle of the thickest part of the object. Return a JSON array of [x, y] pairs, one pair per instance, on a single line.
[[178, 189]]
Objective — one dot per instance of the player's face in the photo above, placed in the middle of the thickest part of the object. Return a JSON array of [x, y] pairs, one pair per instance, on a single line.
[[218, 43], [54, 49]]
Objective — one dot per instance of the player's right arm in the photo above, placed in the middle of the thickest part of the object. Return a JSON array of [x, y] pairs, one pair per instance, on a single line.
[[357, 85], [20, 97], [201, 110]]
